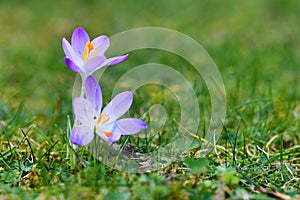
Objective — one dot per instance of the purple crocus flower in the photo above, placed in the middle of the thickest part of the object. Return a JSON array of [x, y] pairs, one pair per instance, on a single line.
[[85, 56], [104, 123]]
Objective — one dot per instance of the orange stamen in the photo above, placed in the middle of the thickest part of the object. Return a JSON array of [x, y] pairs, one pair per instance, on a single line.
[[87, 50], [108, 134], [90, 46]]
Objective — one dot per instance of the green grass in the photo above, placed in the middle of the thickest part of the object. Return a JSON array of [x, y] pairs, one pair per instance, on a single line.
[[256, 47]]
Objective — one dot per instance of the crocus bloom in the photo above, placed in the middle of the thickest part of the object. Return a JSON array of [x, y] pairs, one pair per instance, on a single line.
[[104, 123], [85, 56]]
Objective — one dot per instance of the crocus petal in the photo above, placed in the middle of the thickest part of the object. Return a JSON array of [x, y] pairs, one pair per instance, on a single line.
[[114, 138], [93, 64], [101, 44], [93, 93], [119, 105], [115, 60], [69, 62], [66, 47], [69, 51], [79, 40], [81, 135], [84, 111], [129, 126]]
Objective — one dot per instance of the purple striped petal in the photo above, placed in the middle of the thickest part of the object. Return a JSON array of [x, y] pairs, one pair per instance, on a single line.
[[93, 93], [101, 44], [69, 51], [129, 126], [119, 105], [72, 66], [94, 64], [66, 47], [115, 60], [81, 135], [79, 40], [84, 111]]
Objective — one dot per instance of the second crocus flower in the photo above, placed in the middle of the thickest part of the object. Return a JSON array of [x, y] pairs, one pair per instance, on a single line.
[[105, 123]]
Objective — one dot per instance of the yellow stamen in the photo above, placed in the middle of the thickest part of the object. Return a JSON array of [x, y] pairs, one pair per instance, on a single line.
[[99, 121], [87, 50], [105, 121]]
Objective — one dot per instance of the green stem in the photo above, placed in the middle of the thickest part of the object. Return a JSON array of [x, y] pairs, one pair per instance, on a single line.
[[76, 122]]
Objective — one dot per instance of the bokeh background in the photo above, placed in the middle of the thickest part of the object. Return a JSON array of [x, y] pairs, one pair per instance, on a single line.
[[255, 44]]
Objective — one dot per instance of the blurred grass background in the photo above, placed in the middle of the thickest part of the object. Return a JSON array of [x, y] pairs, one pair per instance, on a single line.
[[255, 44]]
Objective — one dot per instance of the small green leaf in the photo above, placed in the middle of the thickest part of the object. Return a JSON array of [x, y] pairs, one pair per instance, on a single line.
[[228, 176], [196, 164]]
